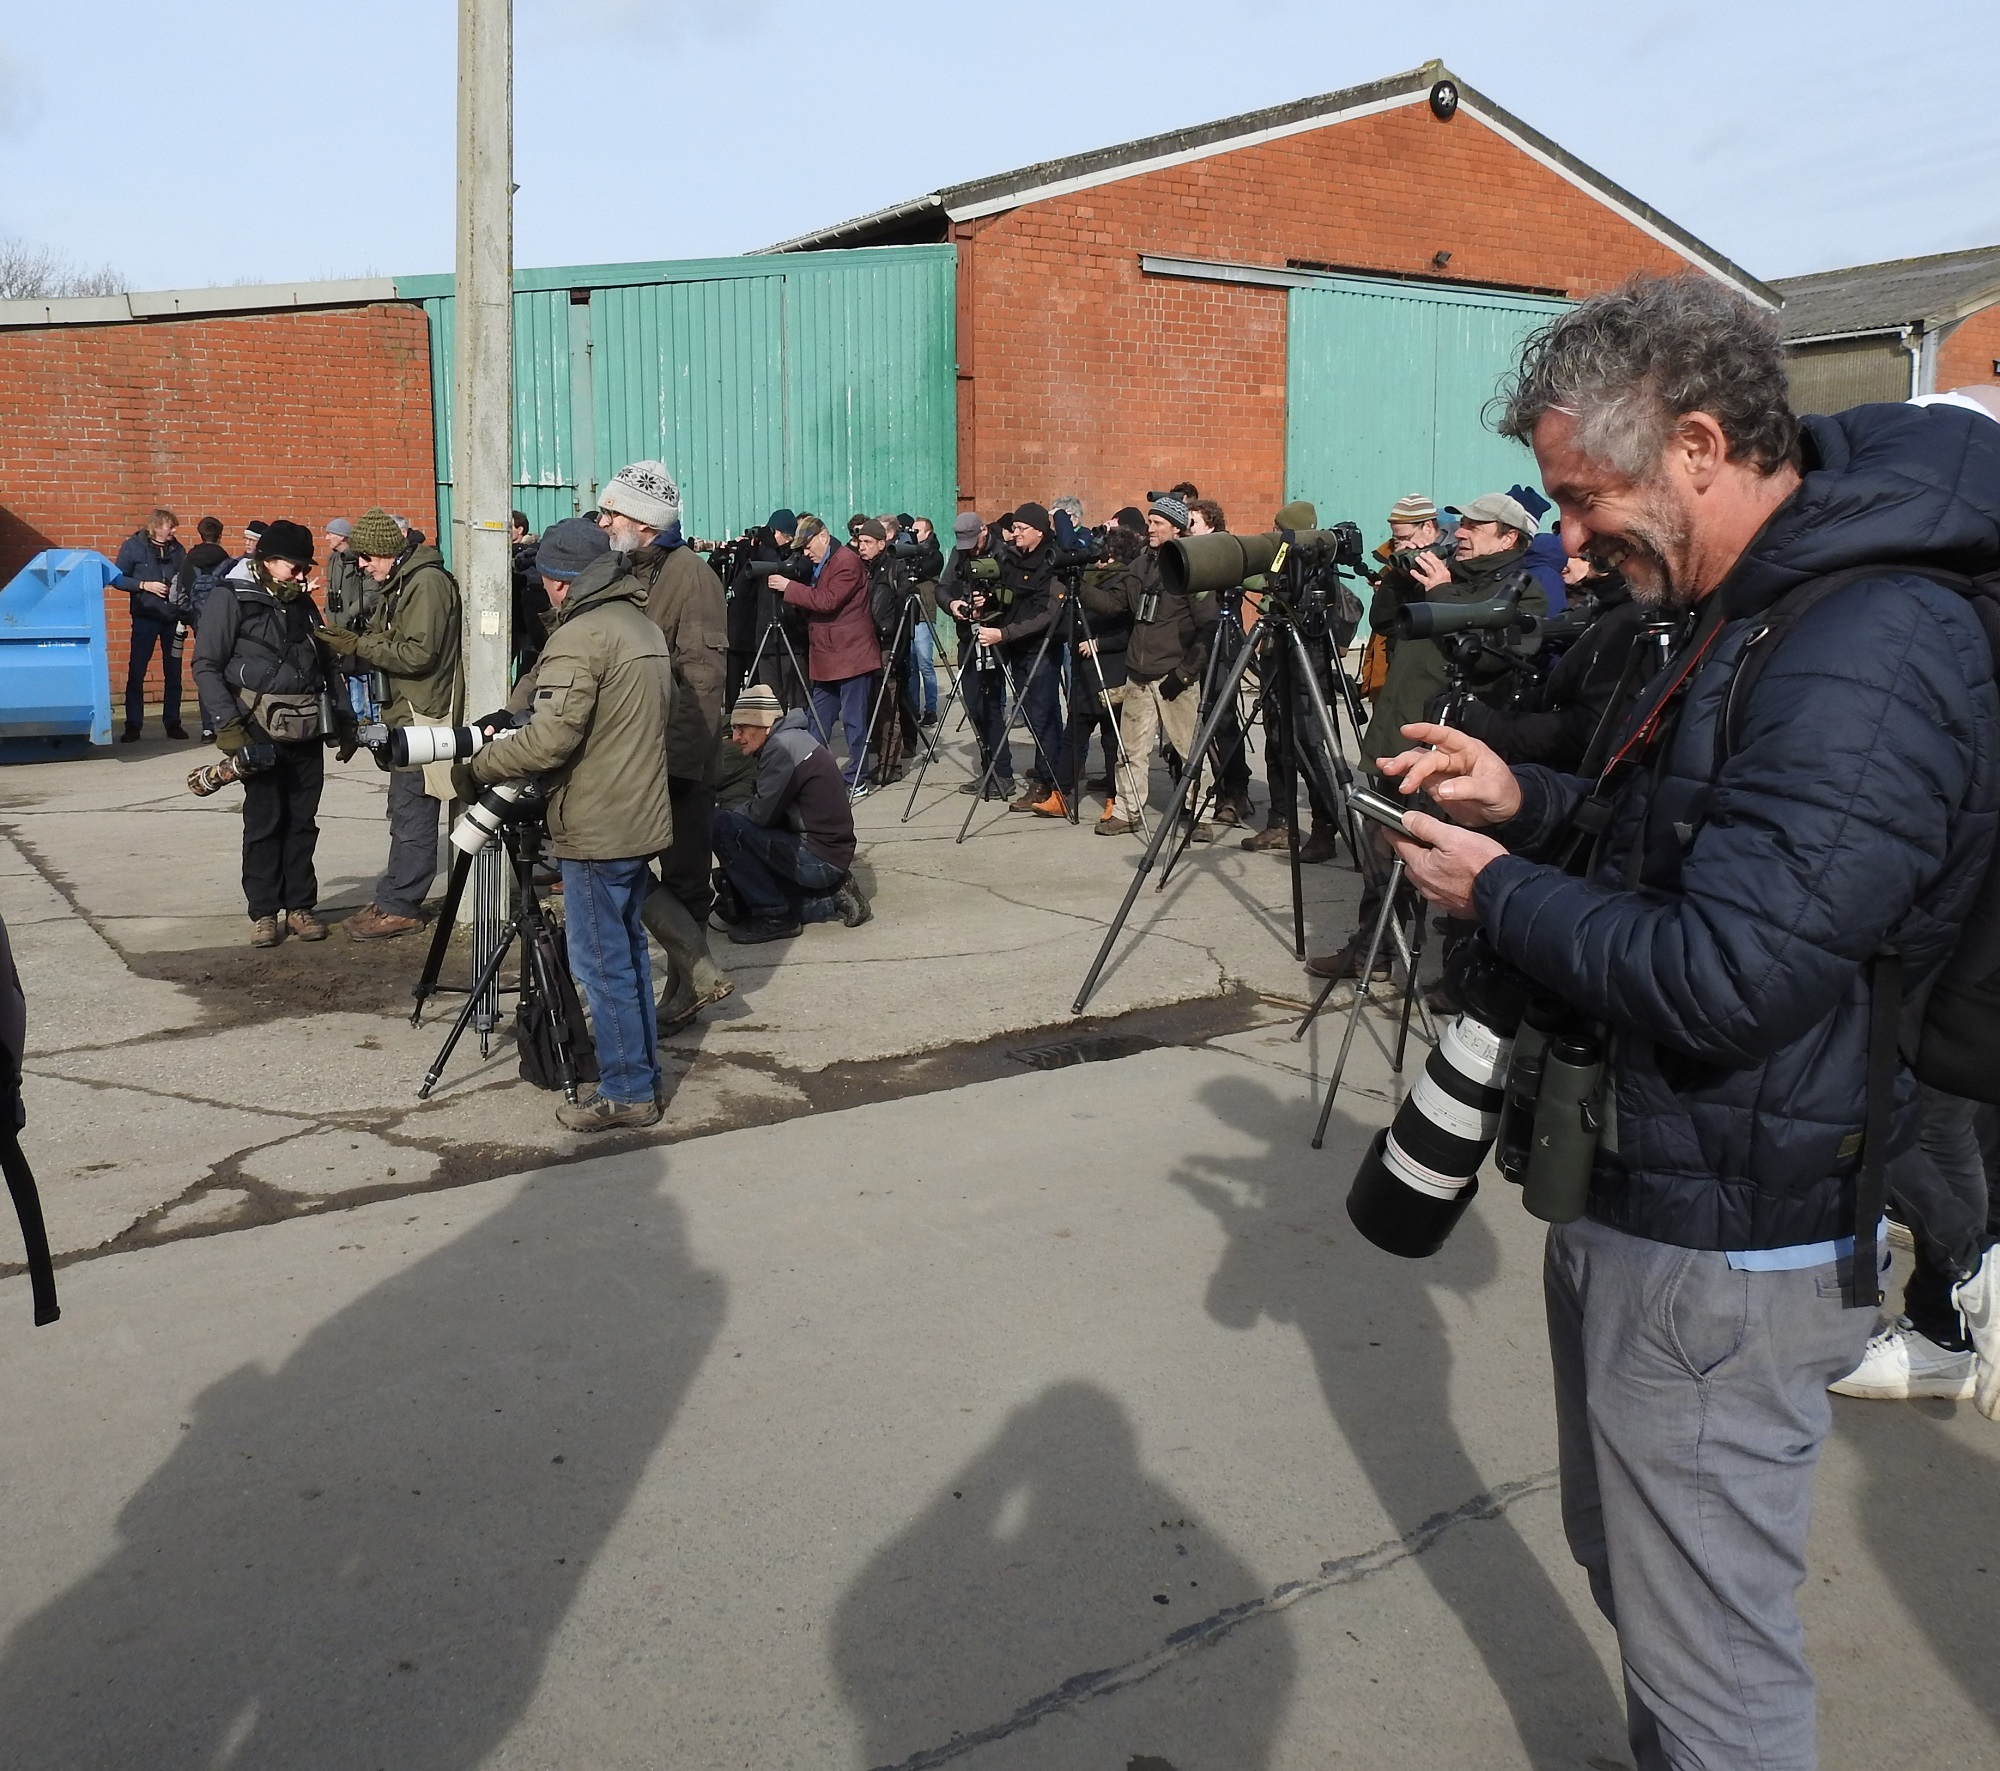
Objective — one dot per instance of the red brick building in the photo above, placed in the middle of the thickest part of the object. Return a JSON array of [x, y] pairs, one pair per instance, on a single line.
[[136, 401], [1125, 316]]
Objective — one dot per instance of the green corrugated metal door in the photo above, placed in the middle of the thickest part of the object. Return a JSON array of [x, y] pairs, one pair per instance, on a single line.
[[825, 381], [1386, 387]]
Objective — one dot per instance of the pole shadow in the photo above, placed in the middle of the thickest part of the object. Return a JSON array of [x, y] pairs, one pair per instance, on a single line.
[[1383, 1356], [359, 1560], [1050, 1569]]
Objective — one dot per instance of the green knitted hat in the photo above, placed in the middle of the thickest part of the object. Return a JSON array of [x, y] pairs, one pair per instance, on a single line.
[[376, 534]]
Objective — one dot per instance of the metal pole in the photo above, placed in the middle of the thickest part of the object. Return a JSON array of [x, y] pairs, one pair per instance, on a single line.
[[482, 471]]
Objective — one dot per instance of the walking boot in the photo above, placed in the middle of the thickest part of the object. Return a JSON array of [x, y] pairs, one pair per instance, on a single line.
[[1054, 806], [373, 924], [305, 925], [1321, 845], [266, 931], [1276, 836], [1113, 825], [1346, 962], [130, 735]]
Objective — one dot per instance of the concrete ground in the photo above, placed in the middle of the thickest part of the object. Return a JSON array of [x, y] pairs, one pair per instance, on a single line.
[[901, 1403]]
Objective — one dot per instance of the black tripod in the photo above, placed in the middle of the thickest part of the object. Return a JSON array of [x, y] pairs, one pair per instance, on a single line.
[[1278, 627], [894, 662], [777, 626], [991, 660], [541, 964]]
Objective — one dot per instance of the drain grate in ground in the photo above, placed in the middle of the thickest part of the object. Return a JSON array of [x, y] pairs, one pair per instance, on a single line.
[[1099, 1050]]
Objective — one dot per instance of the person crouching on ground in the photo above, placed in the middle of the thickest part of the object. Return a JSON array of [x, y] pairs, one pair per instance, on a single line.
[[787, 854], [259, 677], [599, 699]]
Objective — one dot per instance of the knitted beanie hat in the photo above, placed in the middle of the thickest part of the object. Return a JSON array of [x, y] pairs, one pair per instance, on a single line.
[[756, 706], [645, 492], [569, 546], [1170, 507], [376, 535]]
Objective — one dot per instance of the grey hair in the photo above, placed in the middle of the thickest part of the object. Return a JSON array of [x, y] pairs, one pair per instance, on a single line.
[[1628, 365], [1071, 503]]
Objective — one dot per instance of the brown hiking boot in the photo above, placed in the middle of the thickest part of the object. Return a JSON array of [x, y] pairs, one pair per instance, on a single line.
[[1031, 797], [373, 924], [1054, 806], [1346, 963], [266, 931], [305, 925], [1278, 836]]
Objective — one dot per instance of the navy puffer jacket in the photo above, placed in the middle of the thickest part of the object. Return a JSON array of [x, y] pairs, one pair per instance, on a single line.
[[1856, 811]]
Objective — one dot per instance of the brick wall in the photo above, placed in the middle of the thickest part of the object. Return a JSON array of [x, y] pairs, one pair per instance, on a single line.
[[302, 415], [1967, 354], [1084, 375]]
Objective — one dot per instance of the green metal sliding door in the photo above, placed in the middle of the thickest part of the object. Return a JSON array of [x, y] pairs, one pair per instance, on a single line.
[[823, 381], [1386, 391]]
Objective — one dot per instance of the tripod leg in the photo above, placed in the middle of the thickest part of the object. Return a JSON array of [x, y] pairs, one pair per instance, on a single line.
[[1361, 993], [1003, 748], [540, 953], [812, 712], [427, 982], [480, 984], [1285, 740], [1158, 842], [1416, 954]]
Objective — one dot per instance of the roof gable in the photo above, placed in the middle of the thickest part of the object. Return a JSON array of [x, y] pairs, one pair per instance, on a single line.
[[1077, 172]]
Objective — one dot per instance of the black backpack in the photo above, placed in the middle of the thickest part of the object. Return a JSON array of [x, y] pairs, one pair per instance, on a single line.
[[535, 1028], [1955, 1045]]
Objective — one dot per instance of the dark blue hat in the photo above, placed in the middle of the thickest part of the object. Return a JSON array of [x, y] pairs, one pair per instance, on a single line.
[[783, 522], [569, 546]]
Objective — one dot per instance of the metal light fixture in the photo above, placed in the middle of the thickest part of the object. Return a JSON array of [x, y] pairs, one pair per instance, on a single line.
[[1444, 100]]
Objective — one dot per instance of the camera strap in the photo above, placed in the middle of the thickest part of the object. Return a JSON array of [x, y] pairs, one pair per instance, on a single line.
[[1640, 738]]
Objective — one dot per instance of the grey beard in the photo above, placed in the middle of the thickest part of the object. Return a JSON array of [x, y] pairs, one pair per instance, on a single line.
[[626, 543]]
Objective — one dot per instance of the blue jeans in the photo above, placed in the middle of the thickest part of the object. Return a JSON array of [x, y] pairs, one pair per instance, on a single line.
[[923, 666], [607, 957], [848, 702], [1039, 691], [778, 878]]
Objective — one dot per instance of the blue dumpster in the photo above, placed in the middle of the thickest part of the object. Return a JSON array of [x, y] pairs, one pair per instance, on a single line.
[[55, 661]]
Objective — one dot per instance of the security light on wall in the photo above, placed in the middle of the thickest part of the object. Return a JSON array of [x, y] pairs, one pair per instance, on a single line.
[[1444, 100]]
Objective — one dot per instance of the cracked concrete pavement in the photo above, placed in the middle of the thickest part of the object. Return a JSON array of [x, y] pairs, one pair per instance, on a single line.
[[897, 1406], [178, 1083]]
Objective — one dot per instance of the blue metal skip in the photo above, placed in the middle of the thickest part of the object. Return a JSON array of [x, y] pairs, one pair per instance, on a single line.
[[55, 683]]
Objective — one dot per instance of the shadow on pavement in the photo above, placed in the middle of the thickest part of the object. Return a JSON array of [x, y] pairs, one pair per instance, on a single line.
[[1930, 1513], [1383, 1357], [1049, 1568], [361, 1558]]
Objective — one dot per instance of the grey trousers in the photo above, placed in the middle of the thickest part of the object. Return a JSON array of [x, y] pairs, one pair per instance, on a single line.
[[1690, 1408], [413, 845]]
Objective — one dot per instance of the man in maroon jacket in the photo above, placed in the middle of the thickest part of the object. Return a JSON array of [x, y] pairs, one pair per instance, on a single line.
[[843, 654]]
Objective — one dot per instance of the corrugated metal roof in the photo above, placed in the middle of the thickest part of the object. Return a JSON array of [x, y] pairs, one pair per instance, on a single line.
[[1900, 292], [1006, 190]]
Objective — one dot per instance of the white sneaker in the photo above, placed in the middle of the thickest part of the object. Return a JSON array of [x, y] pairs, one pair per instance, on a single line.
[[1978, 1301], [1900, 1363]]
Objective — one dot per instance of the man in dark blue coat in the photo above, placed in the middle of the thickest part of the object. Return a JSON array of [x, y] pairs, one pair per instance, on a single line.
[[148, 562], [1756, 861]]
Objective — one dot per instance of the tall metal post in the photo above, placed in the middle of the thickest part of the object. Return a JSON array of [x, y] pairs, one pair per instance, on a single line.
[[482, 472]]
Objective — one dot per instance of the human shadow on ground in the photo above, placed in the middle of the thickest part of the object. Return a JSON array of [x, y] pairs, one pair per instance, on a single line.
[[1383, 1356], [359, 1560], [1930, 1513], [1051, 1569]]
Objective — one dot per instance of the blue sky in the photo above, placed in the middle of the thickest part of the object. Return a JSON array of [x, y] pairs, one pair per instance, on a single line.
[[218, 141]]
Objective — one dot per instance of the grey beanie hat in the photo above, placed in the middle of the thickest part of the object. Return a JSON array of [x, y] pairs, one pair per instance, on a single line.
[[340, 526], [645, 491], [569, 546], [1170, 507]]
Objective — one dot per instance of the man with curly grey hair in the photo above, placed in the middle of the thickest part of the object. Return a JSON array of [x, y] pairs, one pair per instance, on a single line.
[[1798, 814]]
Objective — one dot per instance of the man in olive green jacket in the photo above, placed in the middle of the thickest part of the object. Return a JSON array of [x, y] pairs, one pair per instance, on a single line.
[[599, 701], [413, 640]]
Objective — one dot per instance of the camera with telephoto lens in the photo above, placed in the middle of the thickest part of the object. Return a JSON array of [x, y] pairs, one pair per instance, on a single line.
[[1195, 563], [415, 747], [253, 759], [1517, 1065], [504, 803]]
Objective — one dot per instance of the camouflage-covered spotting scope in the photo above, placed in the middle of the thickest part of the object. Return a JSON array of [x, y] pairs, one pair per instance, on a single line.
[[1196, 563]]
